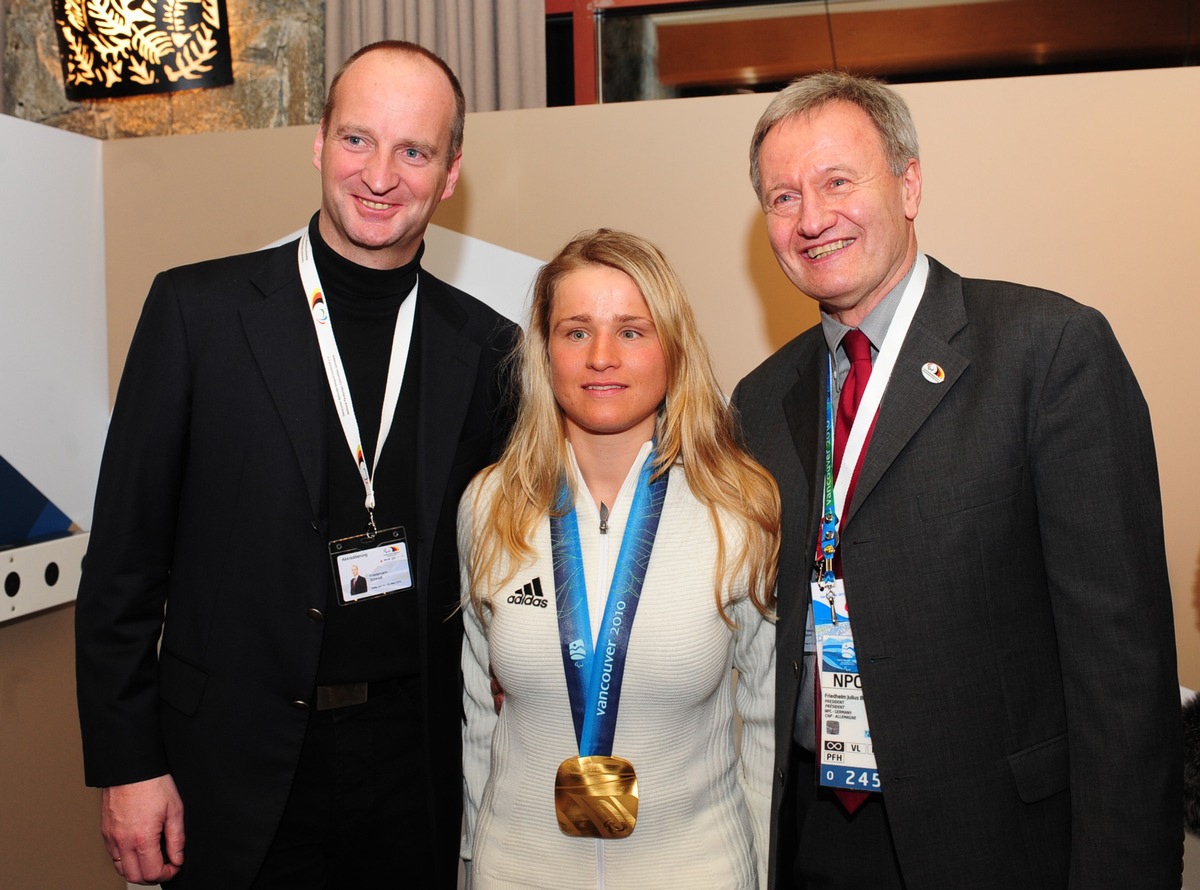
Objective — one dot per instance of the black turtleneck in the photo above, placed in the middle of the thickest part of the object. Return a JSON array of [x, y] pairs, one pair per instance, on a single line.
[[372, 639]]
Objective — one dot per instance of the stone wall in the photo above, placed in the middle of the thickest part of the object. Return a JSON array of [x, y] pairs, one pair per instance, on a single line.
[[278, 72]]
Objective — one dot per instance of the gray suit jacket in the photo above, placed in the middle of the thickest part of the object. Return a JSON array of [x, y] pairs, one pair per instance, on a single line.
[[1005, 570], [211, 505]]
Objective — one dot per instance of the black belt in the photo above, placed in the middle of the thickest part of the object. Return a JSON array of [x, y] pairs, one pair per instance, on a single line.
[[343, 695]]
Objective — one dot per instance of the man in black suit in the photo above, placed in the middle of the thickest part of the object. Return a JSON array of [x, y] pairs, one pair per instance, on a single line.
[[1000, 679], [286, 733]]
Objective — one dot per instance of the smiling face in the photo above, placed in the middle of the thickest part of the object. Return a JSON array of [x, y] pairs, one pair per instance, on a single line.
[[383, 158], [840, 223], [607, 365]]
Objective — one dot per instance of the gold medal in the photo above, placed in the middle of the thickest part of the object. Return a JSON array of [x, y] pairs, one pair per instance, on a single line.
[[596, 796]]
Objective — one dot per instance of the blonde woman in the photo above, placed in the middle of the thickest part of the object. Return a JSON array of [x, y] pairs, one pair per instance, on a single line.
[[618, 562]]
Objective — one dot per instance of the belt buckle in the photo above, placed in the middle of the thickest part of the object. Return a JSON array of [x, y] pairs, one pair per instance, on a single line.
[[343, 695]]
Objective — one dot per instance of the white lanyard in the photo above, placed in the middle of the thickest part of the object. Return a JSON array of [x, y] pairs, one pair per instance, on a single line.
[[336, 373], [881, 372]]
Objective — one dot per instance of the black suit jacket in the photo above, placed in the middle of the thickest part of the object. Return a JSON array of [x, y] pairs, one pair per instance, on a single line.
[[1004, 566], [210, 506]]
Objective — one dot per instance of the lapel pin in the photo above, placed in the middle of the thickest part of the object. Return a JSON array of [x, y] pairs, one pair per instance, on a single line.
[[933, 372]]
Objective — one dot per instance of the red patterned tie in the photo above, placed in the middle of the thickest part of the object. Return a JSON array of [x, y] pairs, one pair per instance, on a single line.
[[858, 350]]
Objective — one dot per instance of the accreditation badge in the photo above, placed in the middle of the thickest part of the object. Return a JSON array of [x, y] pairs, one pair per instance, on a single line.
[[370, 566], [846, 758], [596, 796]]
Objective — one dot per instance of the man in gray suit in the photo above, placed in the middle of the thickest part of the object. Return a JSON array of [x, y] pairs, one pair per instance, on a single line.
[[974, 614]]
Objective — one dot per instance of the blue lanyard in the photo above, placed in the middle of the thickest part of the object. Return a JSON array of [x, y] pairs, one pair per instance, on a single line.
[[594, 676], [828, 543]]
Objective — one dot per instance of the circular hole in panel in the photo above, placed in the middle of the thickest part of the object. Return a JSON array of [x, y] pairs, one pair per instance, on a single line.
[[12, 583], [51, 574]]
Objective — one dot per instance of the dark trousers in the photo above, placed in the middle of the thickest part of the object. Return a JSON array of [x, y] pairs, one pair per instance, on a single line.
[[829, 849], [357, 814]]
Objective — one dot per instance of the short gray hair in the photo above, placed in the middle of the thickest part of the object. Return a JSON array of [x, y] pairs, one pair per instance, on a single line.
[[887, 111]]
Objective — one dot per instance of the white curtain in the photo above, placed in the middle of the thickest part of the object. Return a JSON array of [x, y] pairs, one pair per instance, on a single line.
[[496, 47]]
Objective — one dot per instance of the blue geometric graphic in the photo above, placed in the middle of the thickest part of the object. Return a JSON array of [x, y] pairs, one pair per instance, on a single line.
[[26, 515]]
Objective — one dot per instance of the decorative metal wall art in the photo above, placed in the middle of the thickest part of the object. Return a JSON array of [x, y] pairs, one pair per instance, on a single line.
[[115, 48]]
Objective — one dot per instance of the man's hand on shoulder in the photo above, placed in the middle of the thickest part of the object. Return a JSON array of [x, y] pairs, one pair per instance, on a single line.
[[142, 824]]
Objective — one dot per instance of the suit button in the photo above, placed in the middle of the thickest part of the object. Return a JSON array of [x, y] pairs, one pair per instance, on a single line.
[[795, 668], [302, 705], [779, 774], [315, 615]]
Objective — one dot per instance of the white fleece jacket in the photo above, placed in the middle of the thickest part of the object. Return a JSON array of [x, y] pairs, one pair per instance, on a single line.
[[703, 810]]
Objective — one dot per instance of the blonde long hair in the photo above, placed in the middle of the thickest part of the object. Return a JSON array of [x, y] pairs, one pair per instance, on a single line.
[[695, 428]]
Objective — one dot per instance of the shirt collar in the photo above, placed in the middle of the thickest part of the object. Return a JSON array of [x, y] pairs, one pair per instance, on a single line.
[[875, 325]]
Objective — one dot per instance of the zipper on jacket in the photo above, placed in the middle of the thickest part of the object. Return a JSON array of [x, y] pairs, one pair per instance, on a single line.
[[598, 588]]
